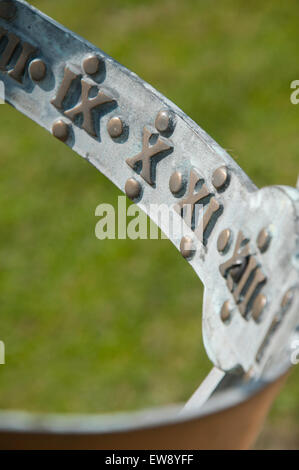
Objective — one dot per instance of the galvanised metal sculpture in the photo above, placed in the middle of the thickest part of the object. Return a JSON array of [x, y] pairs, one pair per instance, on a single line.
[[241, 241]]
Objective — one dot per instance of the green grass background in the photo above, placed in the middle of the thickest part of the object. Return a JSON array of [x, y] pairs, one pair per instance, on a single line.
[[94, 326]]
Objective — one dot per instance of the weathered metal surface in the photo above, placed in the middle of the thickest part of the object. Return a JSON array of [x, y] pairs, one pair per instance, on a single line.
[[242, 241]]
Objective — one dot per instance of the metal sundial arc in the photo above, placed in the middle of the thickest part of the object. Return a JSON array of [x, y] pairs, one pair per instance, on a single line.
[[234, 234]]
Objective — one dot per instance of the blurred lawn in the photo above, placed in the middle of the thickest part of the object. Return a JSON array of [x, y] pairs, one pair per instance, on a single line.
[[94, 326]]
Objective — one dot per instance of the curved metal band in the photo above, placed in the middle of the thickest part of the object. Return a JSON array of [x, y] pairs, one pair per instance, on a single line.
[[230, 421], [159, 157], [170, 167]]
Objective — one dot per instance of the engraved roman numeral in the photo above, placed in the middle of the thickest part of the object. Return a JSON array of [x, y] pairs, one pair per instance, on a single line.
[[12, 42], [243, 274], [86, 104], [70, 74], [147, 154], [198, 193], [251, 280], [209, 219], [241, 251], [11, 47]]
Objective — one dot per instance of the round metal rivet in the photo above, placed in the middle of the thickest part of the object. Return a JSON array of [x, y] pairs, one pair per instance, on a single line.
[[225, 313], [259, 304], [91, 64], [163, 121], [263, 240], [176, 182], [132, 188], [220, 177], [287, 299], [224, 240], [37, 70], [61, 130], [187, 247], [7, 10], [115, 127]]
